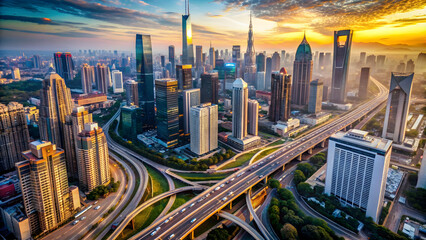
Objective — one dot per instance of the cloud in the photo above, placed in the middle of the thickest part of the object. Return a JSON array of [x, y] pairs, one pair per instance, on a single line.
[[72, 34], [143, 3], [43, 21], [214, 15]]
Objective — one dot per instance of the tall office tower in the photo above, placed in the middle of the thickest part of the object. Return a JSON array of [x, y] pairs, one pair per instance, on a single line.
[[184, 76], [410, 66], [209, 88], [145, 80], [172, 60], [302, 74], [363, 83], [87, 77], [282, 63], [325, 93], [397, 107], [102, 78], [36, 61], [230, 76], [321, 61], [275, 62], [260, 62], [14, 135], [212, 59], [236, 53], [203, 123], [371, 61], [341, 57], [401, 67], [421, 61], [163, 61], [132, 97], [381, 61], [117, 81], [315, 96], [250, 58], [199, 60], [191, 97], [260, 81], [268, 72], [187, 46], [92, 154], [279, 110], [362, 58], [327, 60], [239, 108], [167, 111], [55, 106], [64, 65], [253, 117], [357, 168], [44, 184], [204, 58], [16, 74]]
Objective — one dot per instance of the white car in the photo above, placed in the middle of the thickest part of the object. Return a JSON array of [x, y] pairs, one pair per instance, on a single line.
[[193, 220], [192, 204], [222, 185], [224, 199], [158, 228], [232, 179], [153, 233], [167, 220], [208, 194], [81, 219], [183, 210], [96, 208], [261, 176], [75, 222], [217, 188], [171, 236], [229, 194]]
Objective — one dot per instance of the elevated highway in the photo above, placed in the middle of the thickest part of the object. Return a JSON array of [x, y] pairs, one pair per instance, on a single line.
[[262, 228], [255, 234]]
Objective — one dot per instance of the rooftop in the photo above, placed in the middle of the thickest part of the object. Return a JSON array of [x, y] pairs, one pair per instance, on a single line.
[[363, 140]]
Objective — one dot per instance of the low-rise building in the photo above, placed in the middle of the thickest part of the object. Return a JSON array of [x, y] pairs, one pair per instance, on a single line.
[[16, 221], [315, 119]]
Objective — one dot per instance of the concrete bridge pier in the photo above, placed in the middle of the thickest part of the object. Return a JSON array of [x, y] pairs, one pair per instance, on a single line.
[[299, 157], [310, 150], [322, 144]]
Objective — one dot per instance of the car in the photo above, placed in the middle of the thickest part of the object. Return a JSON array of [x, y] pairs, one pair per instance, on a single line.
[[193, 220], [81, 219], [153, 233], [97, 207], [224, 199], [183, 210], [229, 194], [167, 220], [75, 222], [96, 202], [158, 228], [171, 236], [261, 176], [222, 185], [192, 204], [232, 179], [217, 188], [208, 194], [239, 174]]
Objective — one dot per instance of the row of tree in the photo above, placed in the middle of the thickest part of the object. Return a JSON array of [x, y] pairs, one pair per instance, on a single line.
[[103, 191]]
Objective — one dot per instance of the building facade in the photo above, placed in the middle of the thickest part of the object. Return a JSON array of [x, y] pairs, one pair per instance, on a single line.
[[117, 81], [204, 128], [191, 97], [64, 65], [239, 108], [315, 96], [363, 83], [209, 88], [87, 78], [253, 117], [132, 95], [279, 109], [102, 78], [302, 74], [167, 111], [187, 46]]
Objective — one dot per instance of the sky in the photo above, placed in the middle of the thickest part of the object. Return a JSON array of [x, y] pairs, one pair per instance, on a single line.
[[64, 25]]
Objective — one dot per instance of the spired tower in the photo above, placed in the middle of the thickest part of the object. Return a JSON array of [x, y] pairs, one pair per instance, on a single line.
[[250, 57], [302, 74], [187, 46]]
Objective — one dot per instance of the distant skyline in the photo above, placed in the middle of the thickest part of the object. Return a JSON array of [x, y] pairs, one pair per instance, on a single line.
[[380, 26]]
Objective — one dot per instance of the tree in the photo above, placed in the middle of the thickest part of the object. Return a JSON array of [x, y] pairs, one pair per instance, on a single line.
[[412, 178], [274, 209], [312, 232], [275, 220], [289, 232], [285, 194], [290, 217], [299, 176], [306, 168], [305, 189], [273, 183], [218, 234]]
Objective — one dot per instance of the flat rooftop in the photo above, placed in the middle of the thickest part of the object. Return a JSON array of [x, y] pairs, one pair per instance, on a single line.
[[361, 139]]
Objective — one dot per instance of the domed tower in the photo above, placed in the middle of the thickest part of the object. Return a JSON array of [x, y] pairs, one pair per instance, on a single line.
[[302, 74]]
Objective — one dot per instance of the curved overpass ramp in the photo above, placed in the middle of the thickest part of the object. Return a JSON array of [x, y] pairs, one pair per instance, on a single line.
[[256, 235], [257, 220]]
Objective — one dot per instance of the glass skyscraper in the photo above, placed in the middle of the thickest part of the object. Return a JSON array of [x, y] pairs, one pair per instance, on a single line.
[[187, 46], [145, 80], [167, 111]]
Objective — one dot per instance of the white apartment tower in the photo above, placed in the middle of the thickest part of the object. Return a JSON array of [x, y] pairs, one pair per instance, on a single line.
[[253, 117], [357, 168], [191, 97], [203, 124], [239, 108], [117, 81]]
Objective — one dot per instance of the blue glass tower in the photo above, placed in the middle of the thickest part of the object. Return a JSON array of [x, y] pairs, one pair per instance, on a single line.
[[187, 46]]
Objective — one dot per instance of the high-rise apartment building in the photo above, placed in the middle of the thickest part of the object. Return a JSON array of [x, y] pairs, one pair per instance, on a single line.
[[315, 96], [362, 58], [36, 61], [167, 111], [239, 108], [187, 46], [279, 110], [236, 53], [275, 62], [357, 168], [341, 57], [212, 59], [302, 74], [230, 74], [130, 118], [184, 76], [204, 128], [268, 72], [44, 184], [381, 61], [191, 97], [64, 65], [209, 88], [14, 135], [371, 61], [410, 66], [260, 62], [87, 78], [397, 107], [55, 106], [92, 155], [260, 81], [172, 60], [198, 58], [117, 81], [145, 79], [16, 74], [102, 78], [253, 117], [363, 83], [132, 96]]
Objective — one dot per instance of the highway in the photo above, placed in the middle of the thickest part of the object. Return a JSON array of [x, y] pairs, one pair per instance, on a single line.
[[238, 183]]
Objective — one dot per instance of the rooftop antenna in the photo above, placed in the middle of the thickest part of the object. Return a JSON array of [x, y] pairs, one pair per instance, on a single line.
[[187, 7]]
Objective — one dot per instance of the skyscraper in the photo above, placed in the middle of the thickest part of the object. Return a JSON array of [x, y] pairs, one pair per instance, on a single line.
[[36, 61], [209, 88], [357, 168], [397, 107], [102, 77], [184, 76], [260, 80], [87, 77], [64, 65], [145, 80], [203, 122], [172, 60], [341, 57], [55, 105], [260, 62], [410, 66], [381, 61], [283, 58], [363, 83], [117, 81], [239, 108], [187, 46], [371, 61], [250, 58], [280, 96], [93, 159], [199, 60], [315, 96], [302, 74], [275, 61], [362, 58], [236, 53], [268, 72], [14, 135], [16, 74], [130, 118], [212, 59], [132, 97], [321, 61], [44, 184], [167, 111], [230, 75], [253, 117], [191, 97]]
